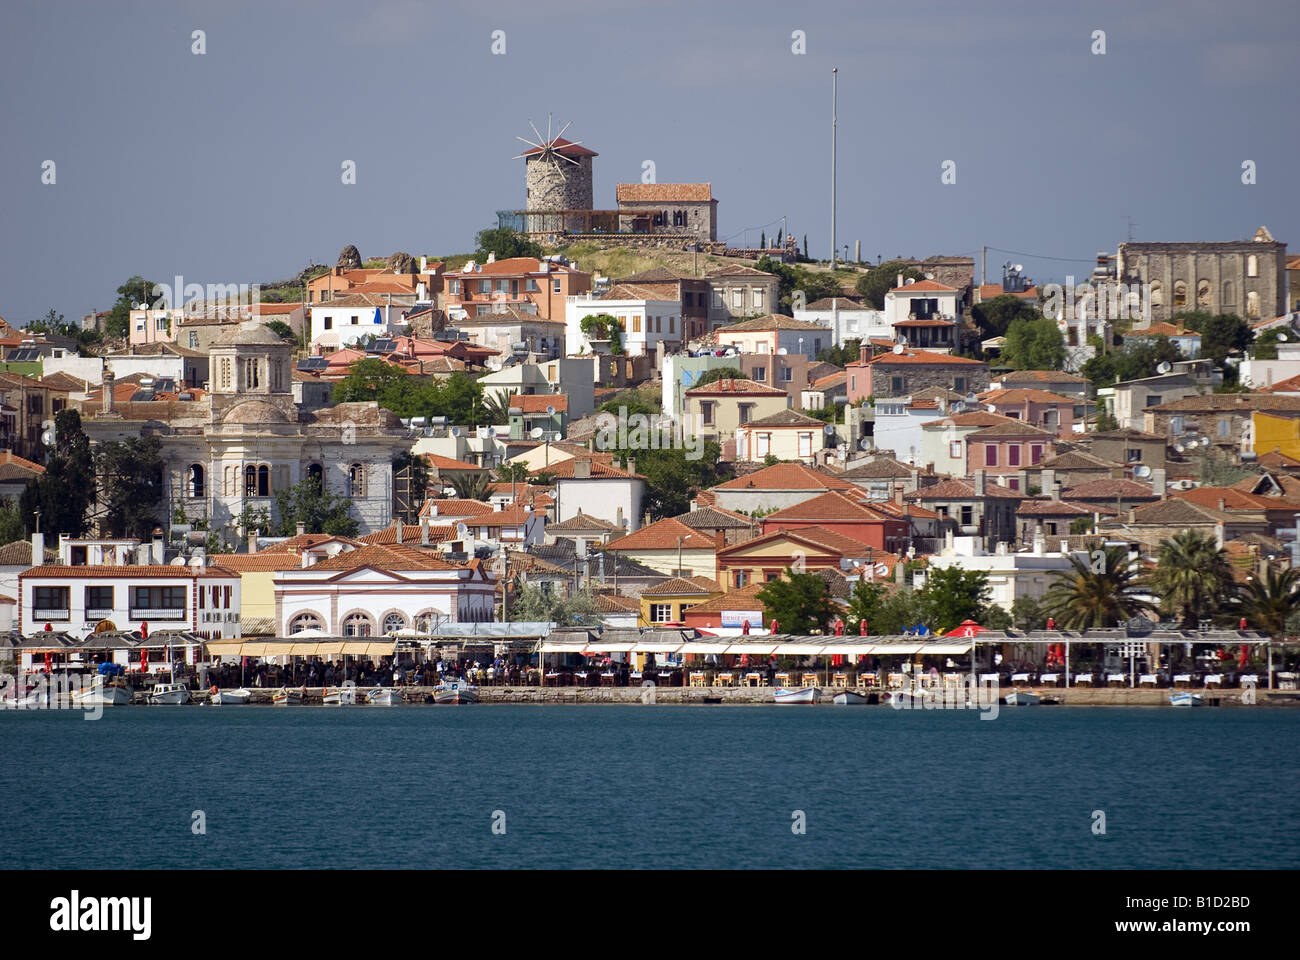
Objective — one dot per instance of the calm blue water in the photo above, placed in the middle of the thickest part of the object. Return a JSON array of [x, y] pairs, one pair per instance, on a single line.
[[649, 786]]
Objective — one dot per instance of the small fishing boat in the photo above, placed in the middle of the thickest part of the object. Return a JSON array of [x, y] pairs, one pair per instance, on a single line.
[[791, 695], [385, 697], [284, 697], [231, 698], [344, 696], [1185, 698], [1023, 698], [111, 694], [909, 698], [169, 693], [455, 691], [848, 698]]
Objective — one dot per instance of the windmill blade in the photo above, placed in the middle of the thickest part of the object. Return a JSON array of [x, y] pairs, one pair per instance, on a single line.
[[529, 142], [548, 128], [538, 132], [562, 129], [563, 157], [559, 169]]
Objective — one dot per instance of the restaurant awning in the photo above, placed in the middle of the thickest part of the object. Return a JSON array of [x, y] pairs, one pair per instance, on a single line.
[[224, 648], [753, 649], [946, 647], [858, 649], [897, 649], [657, 646], [798, 649]]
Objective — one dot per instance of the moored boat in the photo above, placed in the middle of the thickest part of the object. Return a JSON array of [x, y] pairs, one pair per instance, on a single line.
[[1023, 698], [455, 691], [284, 697], [344, 696], [169, 693], [385, 697], [848, 698], [792, 695], [114, 693], [231, 698], [1185, 698]]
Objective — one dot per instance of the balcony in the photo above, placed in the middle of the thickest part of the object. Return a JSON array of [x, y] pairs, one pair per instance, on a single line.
[[98, 613], [158, 613], [50, 613]]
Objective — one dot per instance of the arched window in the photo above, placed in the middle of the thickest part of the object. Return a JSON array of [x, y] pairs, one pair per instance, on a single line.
[[250, 481], [304, 621], [1252, 304], [357, 480], [1252, 266], [252, 373], [1202, 293], [358, 625], [263, 481], [1157, 294], [316, 473], [1180, 293], [197, 487], [257, 480], [1227, 295], [424, 622], [394, 622]]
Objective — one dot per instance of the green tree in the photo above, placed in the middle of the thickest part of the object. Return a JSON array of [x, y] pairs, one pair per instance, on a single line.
[[1033, 344], [865, 603], [514, 473], [13, 526], [720, 373], [880, 279], [952, 594], [318, 510], [533, 603], [496, 408], [135, 290], [130, 475], [1221, 333], [1027, 613], [282, 330], [847, 352], [1101, 591], [632, 401], [505, 243], [1106, 421], [65, 492], [995, 317], [472, 486], [603, 326], [1193, 577], [798, 602], [673, 476], [1270, 600], [1134, 360]]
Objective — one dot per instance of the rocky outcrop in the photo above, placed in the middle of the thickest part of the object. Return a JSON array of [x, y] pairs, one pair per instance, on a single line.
[[350, 258]]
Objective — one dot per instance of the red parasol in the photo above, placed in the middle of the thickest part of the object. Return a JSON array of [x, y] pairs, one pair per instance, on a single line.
[[1243, 655], [144, 629], [862, 628], [144, 661], [744, 627], [967, 628], [1051, 623], [775, 627], [47, 661]]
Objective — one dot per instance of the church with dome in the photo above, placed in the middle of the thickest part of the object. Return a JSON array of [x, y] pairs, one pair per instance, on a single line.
[[234, 446]]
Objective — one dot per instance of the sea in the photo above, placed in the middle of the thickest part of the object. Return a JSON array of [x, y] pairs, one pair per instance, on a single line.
[[650, 786]]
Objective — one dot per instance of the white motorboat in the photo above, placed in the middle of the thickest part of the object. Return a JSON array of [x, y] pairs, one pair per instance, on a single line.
[[385, 697], [344, 696], [169, 693], [113, 693], [792, 695], [455, 691], [910, 698], [848, 698], [284, 697], [1023, 698], [1185, 698], [232, 698]]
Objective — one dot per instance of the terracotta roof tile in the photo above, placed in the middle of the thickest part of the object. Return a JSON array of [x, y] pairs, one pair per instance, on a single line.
[[662, 535], [663, 192], [786, 476]]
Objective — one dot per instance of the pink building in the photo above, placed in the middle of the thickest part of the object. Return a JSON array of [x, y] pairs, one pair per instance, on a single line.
[[1004, 449], [1039, 408]]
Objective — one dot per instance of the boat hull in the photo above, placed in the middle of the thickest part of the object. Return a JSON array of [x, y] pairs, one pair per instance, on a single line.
[[286, 698], [170, 695], [847, 698], [346, 697], [802, 695], [1186, 699], [387, 697], [106, 696], [1023, 698], [231, 698], [455, 694]]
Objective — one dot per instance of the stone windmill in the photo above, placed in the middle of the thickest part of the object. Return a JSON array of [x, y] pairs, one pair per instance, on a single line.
[[557, 172]]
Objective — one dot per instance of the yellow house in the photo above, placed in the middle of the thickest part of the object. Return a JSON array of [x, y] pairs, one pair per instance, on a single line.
[[787, 435], [668, 602], [257, 572], [1275, 435], [715, 410], [671, 547]]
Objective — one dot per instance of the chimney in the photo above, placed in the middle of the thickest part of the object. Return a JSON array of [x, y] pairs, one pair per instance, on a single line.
[[631, 465], [1159, 486], [1040, 543], [158, 552], [424, 530], [302, 529], [1222, 504], [900, 280], [916, 481], [400, 529], [898, 493], [1049, 485], [252, 540], [581, 469], [580, 547], [646, 521], [719, 539], [38, 549], [980, 483], [110, 380], [424, 264]]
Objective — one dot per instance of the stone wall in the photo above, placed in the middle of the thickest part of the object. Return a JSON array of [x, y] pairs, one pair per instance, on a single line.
[[1215, 276], [920, 376], [566, 188]]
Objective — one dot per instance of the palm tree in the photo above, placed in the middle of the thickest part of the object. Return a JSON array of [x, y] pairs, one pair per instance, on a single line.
[[472, 486], [1100, 592], [1268, 602], [1193, 577], [496, 408]]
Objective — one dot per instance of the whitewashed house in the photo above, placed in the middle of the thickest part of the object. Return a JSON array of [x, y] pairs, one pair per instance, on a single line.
[[846, 319], [651, 327], [342, 321]]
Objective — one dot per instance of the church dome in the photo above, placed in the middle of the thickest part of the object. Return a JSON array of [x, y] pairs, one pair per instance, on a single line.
[[255, 411], [249, 332]]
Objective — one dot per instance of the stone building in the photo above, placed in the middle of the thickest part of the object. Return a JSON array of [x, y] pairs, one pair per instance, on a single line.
[[668, 208], [1245, 277], [739, 292], [905, 372], [557, 177], [246, 439]]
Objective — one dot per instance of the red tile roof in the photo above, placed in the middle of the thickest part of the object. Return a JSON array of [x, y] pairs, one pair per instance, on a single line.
[[913, 357], [662, 535], [1023, 395], [833, 506], [385, 557], [786, 476], [663, 192], [931, 285], [538, 402]]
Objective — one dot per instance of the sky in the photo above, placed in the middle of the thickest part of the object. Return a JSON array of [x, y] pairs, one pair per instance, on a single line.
[[226, 166]]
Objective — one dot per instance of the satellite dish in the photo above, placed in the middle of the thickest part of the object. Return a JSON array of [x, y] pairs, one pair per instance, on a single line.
[[1142, 471], [455, 431], [536, 433], [406, 422], [899, 348], [1164, 367], [829, 429], [971, 398], [782, 351], [991, 408], [461, 529], [550, 410], [864, 444], [1179, 447], [1019, 267], [1281, 338], [484, 433]]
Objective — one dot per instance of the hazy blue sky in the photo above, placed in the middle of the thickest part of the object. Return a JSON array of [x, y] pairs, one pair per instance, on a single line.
[[225, 167]]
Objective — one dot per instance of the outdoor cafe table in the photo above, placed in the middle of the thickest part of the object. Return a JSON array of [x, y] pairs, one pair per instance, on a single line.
[[1083, 678], [607, 679], [754, 679], [1248, 679], [783, 679], [1182, 680], [553, 679], [699, 678], [1147, 679], [1019, 678], [1115, 678], [840, 680], [1049, 678], [1213, 678]]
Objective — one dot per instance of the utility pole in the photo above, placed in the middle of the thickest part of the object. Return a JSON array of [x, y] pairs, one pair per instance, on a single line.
[[834, 93]]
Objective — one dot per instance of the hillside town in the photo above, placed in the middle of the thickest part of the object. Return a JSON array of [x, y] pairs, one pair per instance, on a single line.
[[605, 446]]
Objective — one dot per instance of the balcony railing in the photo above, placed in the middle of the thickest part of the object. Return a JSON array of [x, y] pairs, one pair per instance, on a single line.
[[158, 613], [98, 613], [50, 613]]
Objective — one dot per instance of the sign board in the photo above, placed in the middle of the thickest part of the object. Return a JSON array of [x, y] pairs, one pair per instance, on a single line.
[[738, 618]]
